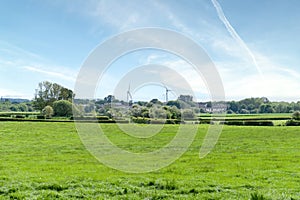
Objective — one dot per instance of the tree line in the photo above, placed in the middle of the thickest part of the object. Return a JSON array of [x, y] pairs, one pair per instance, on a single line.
[[53, 99]]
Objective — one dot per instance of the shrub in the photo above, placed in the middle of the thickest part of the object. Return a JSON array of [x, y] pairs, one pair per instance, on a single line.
[[20, 116], [292, 123], [141, 120], [234, 123], [296, 115], [62, 108], [48, 111], [230, 112], [40, 117], [204, 121], [258, 123]]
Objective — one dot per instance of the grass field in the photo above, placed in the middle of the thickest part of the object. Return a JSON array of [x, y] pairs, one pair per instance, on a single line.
[[47, 160]]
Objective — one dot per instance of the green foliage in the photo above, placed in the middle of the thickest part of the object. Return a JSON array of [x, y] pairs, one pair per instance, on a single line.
[[188, 114], [142, 120], [47, 93], [15, 107], [296, 115], [174, 103], [292, 123], [48, 111], [234, 123], [62, 108], [258, 123]]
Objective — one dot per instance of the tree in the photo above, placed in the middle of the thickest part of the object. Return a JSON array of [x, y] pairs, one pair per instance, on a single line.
[[186, 98], [266, 108], [22, 107], [174, 103], [62, 108], [175, 112], [296, 115], [109, 99], [47, 93], [157, 112], [188, 114], [234, 106], [48, 111], [156, 101]]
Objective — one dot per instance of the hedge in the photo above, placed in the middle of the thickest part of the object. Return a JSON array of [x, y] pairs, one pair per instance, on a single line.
[[249, 123], [234, 123], [99, 118], [258, 123], [293, 123], [10, 114], [141, 120]]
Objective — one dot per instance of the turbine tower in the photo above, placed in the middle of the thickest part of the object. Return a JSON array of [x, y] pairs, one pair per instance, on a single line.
[[129, 96], [167, 92]]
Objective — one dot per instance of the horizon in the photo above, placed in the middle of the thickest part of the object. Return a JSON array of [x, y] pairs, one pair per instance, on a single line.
[[198, 101], [255, 54]]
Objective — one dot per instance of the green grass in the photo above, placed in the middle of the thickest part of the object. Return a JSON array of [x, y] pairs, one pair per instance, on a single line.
[[47, 160]]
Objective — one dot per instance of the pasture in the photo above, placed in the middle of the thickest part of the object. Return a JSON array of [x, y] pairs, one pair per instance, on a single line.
[[46, 160]]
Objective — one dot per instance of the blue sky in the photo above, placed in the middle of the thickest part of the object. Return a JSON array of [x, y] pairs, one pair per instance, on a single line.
[[254, 44]]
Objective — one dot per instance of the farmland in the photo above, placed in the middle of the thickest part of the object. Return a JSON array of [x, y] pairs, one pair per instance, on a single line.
[[48, 160]]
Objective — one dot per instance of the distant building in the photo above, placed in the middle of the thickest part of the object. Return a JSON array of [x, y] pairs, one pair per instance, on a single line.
[[213, 107]]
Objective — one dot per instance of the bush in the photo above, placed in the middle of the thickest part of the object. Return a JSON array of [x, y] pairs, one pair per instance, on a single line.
[[48, 111], [234, 123], [296, 115], [258, 123], [20, 116], [230, 112], [102, 117], [292, 123], [141, 120], [62, 108], [40, 117]]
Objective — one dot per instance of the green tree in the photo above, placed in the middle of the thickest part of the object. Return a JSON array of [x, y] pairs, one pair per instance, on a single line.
[[174, 103], [188, 114], [22, 107], [296, 115], [47, 93], [157, 112], [109, 99], [62, 108], [48, 111]]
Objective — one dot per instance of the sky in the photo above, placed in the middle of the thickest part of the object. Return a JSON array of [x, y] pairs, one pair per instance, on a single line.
[[254, 45]]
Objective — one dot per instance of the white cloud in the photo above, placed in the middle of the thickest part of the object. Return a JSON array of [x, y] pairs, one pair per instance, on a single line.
[[29, 67], [68, 76]]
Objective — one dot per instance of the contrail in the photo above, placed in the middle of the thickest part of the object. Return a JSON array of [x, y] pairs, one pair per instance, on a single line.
[[234, 34]]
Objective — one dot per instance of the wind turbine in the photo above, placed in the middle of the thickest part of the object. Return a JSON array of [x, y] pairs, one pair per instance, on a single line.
[[129, 96], [167, 92]]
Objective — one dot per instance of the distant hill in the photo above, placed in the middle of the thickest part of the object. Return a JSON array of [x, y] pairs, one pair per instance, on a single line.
[[14, 100]]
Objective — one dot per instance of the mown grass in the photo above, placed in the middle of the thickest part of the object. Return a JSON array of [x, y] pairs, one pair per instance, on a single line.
[[47, 160]]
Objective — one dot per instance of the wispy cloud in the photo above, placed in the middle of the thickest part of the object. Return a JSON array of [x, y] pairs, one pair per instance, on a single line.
[[33, 67], [54, 74], [16, 58], [234, 34]]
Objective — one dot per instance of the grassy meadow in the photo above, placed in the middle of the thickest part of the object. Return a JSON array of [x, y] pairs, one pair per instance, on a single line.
[[46, 160]]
